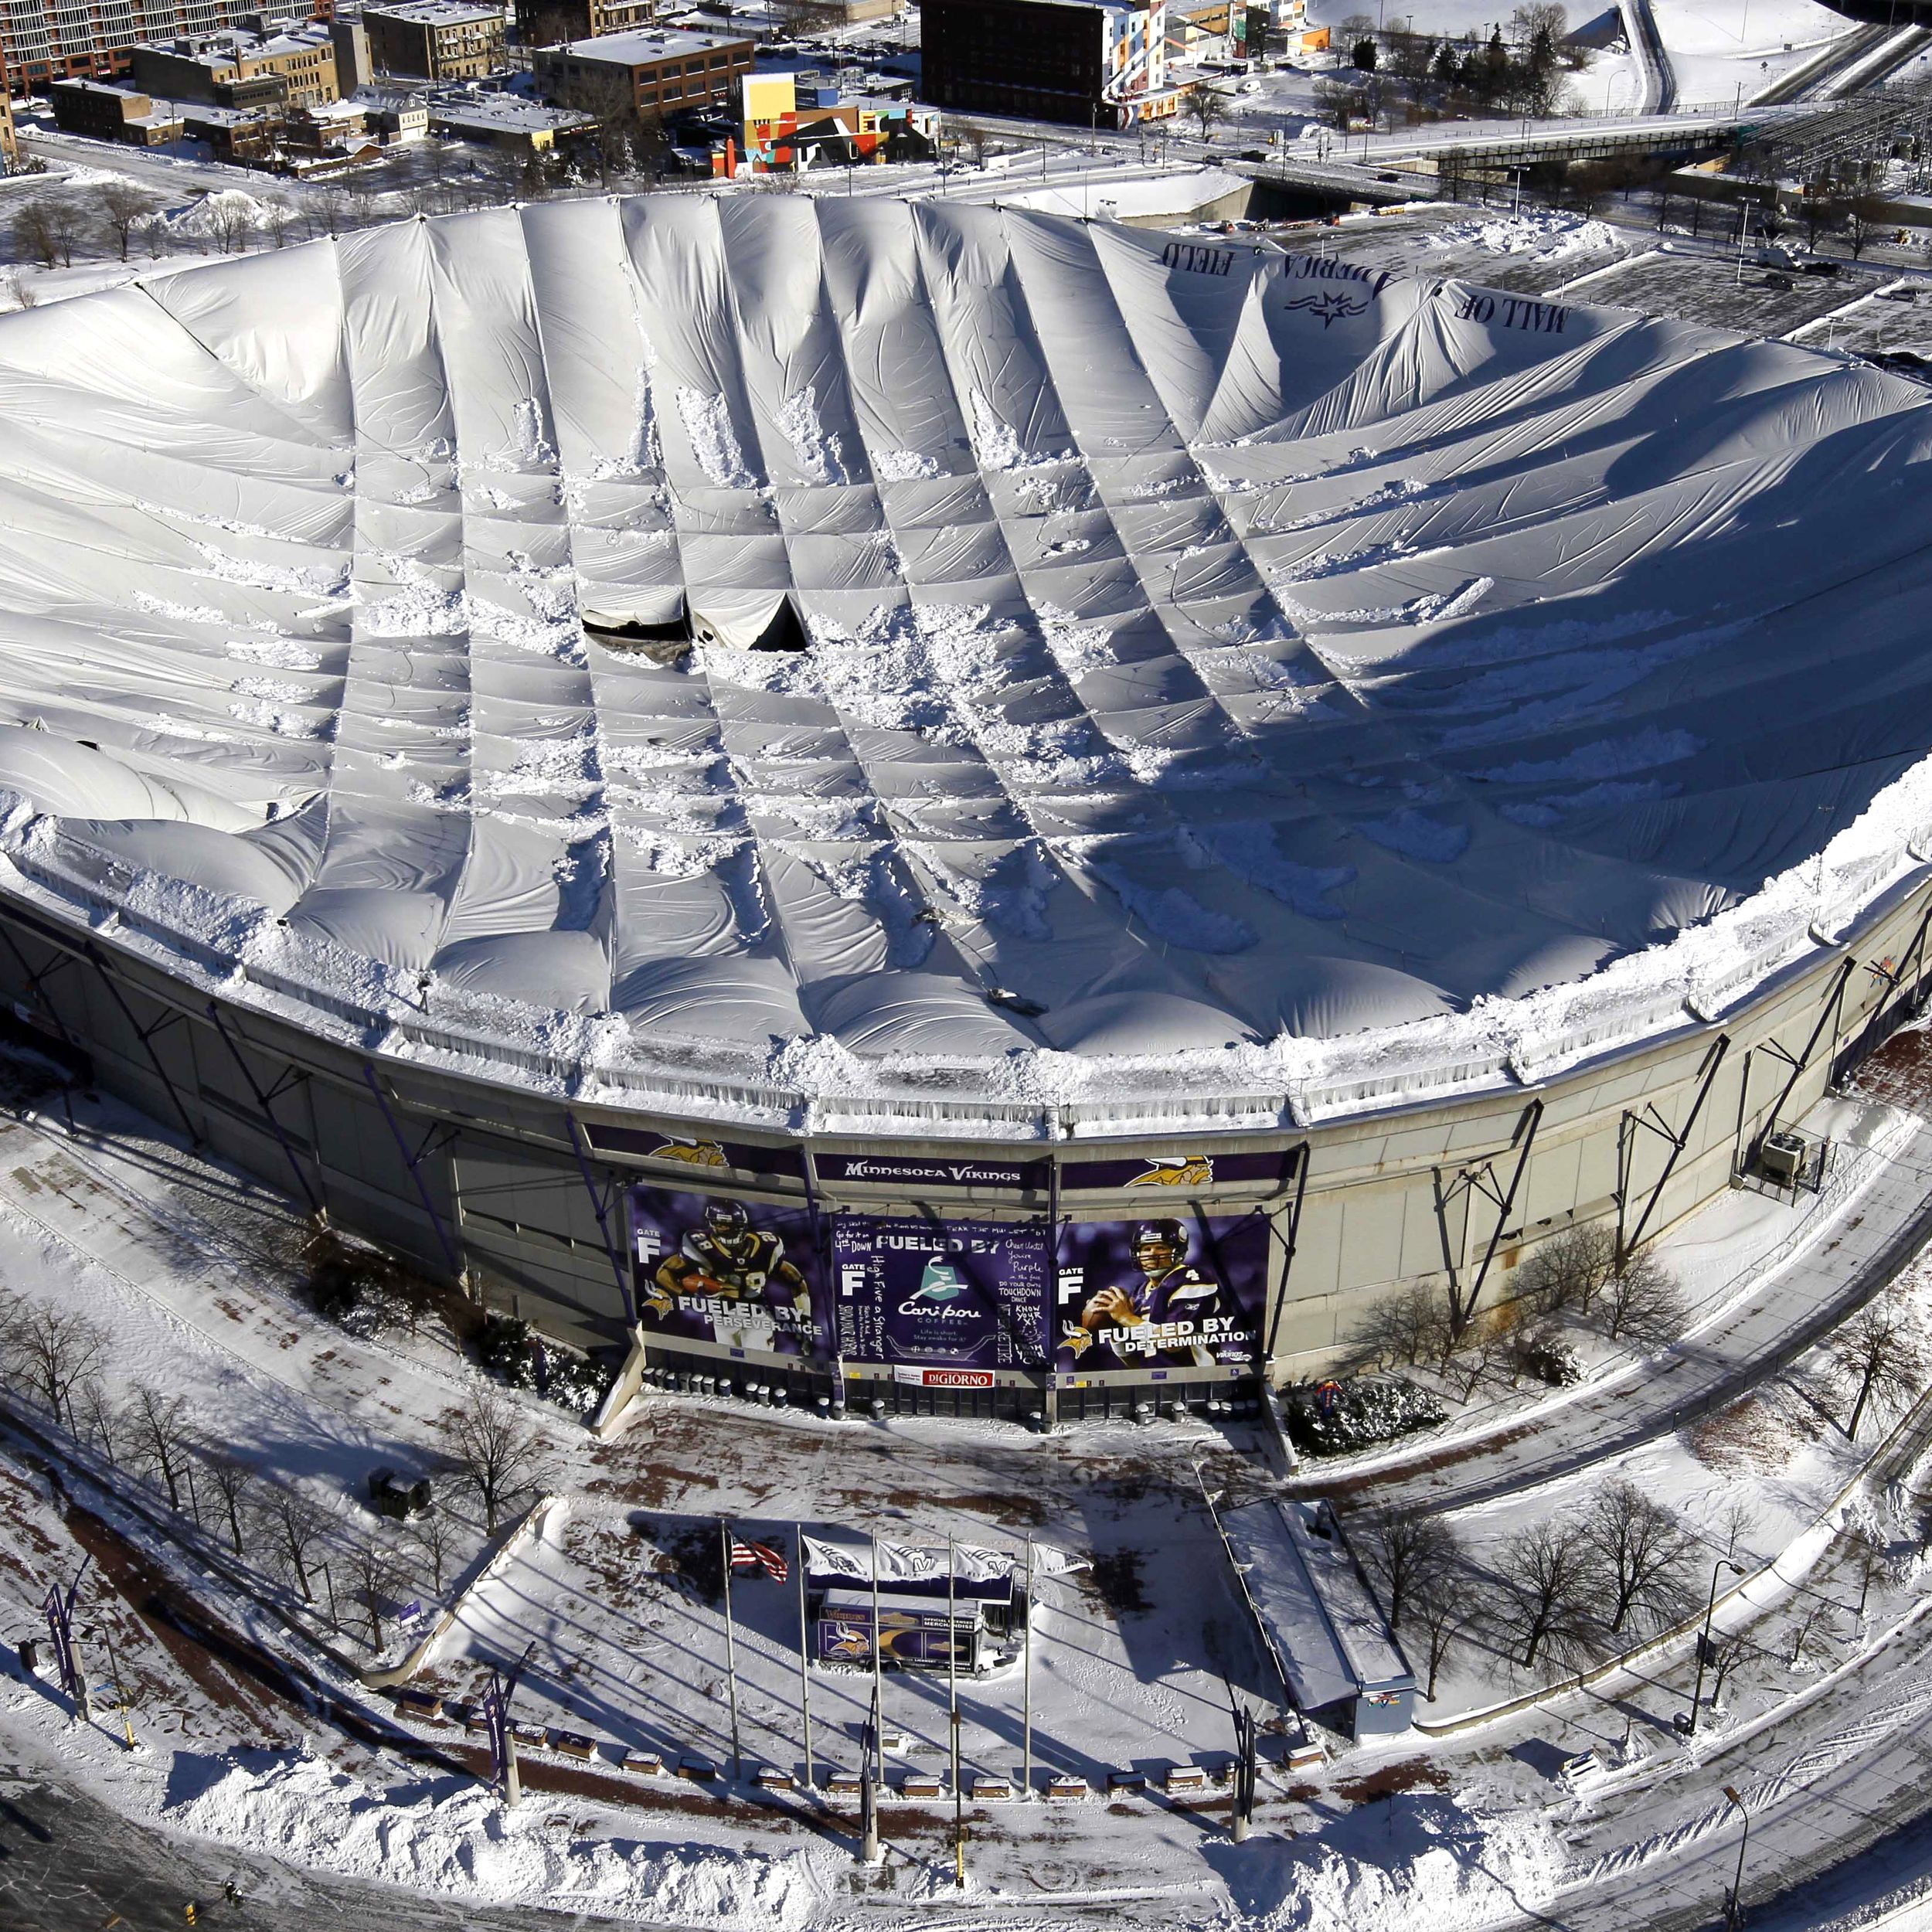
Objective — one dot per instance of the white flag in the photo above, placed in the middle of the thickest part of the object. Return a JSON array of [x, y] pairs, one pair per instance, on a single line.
[[836, 1559], [1049, 1562]]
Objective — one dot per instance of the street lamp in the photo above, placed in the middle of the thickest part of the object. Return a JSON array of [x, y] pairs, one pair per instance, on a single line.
[[1704, 1640], [1734, 1904]]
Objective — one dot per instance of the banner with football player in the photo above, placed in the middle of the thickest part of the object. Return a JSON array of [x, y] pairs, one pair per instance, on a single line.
[[1172, 1291], [964, 1294], [744, 1274]]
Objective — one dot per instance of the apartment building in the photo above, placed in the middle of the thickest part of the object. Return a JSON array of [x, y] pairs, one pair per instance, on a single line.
[[436, 40]]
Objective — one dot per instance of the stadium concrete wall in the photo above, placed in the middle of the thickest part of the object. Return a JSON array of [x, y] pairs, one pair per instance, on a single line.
[[516, 1194]]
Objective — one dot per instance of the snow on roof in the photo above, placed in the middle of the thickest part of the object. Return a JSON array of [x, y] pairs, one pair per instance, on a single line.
[[1231, 681], [645, 47], [1328, 1637], [437, 13], [496, 111]]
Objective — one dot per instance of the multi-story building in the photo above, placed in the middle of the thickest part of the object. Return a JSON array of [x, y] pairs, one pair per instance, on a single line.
[[9, 152], [546, 23], [245, 71], [437, 39], [788, 125], [653, 73], [1090, 62], [103, 111], [43, 40]]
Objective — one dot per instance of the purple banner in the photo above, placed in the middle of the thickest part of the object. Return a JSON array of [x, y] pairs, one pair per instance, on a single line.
[[696, 1153], [1180, 1171], [737, 1272], [922, 1171], [949, 1295], [1171, 1291]]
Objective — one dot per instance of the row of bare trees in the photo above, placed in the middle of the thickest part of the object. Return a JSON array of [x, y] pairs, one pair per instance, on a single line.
[[1562, 1590], [491, 1452]]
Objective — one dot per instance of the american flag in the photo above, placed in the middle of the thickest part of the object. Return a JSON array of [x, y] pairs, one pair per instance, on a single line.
[[745, 1556]]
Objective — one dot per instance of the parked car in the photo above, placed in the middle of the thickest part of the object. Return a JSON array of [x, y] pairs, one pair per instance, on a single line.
[[394, 1495]]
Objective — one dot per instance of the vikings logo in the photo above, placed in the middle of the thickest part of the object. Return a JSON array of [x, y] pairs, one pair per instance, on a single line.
[[693, 1153], [1188, 1170]]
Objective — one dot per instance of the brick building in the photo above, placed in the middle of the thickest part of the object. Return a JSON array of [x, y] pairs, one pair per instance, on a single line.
[[658, 73], [241, 71], [437, 39], [546, 23], [44, 40]]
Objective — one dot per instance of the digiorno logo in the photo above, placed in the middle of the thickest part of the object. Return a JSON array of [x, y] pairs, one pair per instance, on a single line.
[[1184, 1170]]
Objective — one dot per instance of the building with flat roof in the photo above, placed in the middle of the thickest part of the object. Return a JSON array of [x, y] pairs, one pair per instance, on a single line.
[[1092, 62], [656, 72], [108, 110], [236, 70], [437, 39], [506, 120]]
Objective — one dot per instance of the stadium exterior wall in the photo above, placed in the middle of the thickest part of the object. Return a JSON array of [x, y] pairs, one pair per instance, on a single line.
[[520, 1194]]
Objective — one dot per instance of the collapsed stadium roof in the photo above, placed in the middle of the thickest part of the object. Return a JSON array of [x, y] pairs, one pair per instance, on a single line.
[[1211, 672]]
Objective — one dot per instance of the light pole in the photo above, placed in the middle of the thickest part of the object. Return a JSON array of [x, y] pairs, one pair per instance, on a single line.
[[1704, 1640], [1734, 1904]]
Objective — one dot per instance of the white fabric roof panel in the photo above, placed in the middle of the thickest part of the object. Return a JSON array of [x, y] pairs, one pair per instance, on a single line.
[[1206, 649]]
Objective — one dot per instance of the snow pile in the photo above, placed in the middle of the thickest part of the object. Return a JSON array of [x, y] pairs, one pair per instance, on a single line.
[[1545, 235], [217, 215], [714, 440], [1420, 1860], [452, 1837]]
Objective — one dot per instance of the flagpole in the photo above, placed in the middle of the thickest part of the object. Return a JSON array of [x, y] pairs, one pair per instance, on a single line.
[[952, 1701], [1026, 1694], [805, 1669], [731, 1652], [878, 1681]]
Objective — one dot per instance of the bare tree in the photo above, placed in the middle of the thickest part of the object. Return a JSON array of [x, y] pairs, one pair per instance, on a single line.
[[51, 1351], [373, 1564], [160, 1430], [1645, 1554], [294, 1525], [1877, 1353], [1568, 1270], [1208, 108], [499, 1454], [434, 1535], [123, 207], [277, 216], [34, 232], [1734, 1526], [1410, 1326], [1551, 1577], [234, 1482], [100, 1419], [1641, 1304], [1726, 1652], [1864, 215], [1441, 1613], [229, 222], [1405, 1551]]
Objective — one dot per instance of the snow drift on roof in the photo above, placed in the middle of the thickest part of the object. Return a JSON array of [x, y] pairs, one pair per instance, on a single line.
[[1205, 652]]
